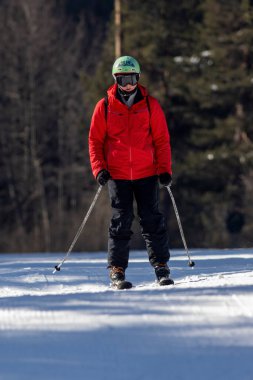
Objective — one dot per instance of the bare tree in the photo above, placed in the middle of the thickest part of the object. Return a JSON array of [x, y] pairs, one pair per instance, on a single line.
[[41, 120]]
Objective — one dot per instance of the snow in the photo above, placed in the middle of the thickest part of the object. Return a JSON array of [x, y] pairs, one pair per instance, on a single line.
[[214, 87], [72, 325], [206, 53]]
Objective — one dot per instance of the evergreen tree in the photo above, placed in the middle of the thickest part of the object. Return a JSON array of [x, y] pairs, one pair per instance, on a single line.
[[218, 160]]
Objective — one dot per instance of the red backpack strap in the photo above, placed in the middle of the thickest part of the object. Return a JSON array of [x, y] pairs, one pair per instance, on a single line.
[[148, 105]]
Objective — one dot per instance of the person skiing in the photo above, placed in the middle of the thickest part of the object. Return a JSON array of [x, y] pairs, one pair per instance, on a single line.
[[129, 146]]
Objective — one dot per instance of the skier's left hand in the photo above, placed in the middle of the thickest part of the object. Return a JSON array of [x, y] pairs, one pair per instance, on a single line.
[[103, 177], [165, 179]]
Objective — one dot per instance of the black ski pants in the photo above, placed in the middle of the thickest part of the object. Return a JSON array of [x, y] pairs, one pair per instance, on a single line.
[[153, 226]]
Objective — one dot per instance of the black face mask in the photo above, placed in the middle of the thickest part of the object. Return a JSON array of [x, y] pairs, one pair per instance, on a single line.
[[123, 80], [127, 94]]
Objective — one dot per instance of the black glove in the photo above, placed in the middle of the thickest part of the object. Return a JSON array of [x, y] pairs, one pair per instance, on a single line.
[[165, 179], [103, 177]]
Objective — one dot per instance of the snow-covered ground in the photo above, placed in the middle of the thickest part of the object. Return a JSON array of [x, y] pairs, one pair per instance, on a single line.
[[72, 325]]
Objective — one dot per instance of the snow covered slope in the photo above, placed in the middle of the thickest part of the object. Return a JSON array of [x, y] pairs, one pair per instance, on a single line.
[[72, 325]]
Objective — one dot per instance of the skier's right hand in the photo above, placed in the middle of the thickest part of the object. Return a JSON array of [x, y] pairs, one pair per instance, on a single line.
[[103, 177], [165, 179]]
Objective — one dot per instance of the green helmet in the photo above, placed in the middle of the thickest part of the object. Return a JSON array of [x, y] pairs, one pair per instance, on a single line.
[[125, 64]]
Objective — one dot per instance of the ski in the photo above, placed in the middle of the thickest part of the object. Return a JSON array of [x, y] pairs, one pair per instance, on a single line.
[[121, 285], [156, 284]]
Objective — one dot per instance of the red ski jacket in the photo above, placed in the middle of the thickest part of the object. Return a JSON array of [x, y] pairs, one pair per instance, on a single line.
[[131, 143]]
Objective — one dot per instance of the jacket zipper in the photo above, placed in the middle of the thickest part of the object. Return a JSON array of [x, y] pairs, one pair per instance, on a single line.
[[130, 148]]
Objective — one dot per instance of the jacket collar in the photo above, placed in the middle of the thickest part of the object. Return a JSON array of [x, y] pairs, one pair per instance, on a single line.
[[112, 91]]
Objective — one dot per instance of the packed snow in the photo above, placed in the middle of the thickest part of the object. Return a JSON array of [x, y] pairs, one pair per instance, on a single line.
[[73, 325]]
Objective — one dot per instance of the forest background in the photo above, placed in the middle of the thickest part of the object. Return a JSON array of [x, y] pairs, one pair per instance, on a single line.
[[56, 56]]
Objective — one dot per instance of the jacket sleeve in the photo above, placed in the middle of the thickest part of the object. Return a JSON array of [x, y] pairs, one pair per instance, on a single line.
[[161, 137], [97, 136]]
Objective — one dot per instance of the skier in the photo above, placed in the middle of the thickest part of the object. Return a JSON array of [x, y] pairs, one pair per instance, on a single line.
[[129, 147]]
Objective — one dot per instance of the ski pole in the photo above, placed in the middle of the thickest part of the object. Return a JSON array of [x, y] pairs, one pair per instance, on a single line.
[[58, 267], [190, 263]]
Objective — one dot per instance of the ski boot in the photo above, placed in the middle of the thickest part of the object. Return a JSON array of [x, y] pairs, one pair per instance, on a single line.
[[117, 276], [162, 273]]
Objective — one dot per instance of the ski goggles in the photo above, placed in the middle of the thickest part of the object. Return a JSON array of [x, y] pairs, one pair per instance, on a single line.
[[123, 80]]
